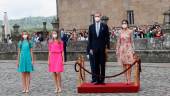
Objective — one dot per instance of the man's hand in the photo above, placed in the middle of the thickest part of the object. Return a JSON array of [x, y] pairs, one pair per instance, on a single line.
[[91, 51], [87, 56], [48, 62], [106, 50], [32, 61]]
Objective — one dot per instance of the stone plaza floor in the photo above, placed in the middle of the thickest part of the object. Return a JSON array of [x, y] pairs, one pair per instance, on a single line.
[[155, 80]]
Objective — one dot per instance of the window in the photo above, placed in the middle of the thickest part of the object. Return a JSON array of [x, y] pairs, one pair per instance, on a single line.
[[130, 16], [92, 19]]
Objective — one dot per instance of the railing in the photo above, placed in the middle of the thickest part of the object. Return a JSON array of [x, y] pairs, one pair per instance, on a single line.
[[139, 44]]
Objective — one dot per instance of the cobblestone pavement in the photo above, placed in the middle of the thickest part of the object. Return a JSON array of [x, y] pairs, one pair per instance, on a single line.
[[155, 80]]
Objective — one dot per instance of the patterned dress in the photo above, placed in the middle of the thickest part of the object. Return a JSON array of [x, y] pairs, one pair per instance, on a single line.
[[124, 48], [55, 57], [25, 59]]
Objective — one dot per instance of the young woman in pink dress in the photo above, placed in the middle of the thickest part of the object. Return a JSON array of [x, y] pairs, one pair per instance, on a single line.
[[125, 50], [56, 60]]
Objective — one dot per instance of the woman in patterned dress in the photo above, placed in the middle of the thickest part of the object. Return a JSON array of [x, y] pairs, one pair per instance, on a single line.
[[25, 60], [125, 50]]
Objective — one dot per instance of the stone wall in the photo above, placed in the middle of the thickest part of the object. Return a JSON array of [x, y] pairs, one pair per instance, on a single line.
[[75, 49], [139, 44], [152, 56], [76, 13]]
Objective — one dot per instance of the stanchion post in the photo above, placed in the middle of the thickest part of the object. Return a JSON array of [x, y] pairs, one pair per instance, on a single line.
[[78, 73], [83, 65], [137, 75]]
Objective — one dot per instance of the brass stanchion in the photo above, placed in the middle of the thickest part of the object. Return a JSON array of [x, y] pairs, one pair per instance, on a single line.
[[78, 73], [81, 72], [83, 65], [137, 71]]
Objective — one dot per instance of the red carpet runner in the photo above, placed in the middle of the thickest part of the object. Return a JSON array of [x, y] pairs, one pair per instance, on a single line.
[[108, 88]]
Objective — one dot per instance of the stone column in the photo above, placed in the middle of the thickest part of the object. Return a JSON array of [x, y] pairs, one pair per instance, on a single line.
[[44, 29], [44, 26], [55, 24], [16, 28], [105, 19], [6, 24], [3, 33], [16, 35]]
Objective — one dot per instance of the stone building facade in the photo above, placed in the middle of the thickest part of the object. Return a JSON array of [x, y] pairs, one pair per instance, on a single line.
[[77, 13]]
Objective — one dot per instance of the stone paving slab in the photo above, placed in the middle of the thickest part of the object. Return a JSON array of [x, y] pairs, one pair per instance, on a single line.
[[155, 80]]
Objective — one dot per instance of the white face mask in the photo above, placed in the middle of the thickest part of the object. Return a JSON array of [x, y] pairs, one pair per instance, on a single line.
[[124, 26], [54, 35], [97, 19], [25, 36]]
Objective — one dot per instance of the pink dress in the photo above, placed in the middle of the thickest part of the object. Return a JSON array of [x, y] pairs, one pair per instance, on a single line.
[[124, 48], [55, 57]]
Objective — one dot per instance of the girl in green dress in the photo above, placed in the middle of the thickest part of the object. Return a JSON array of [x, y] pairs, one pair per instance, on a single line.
[[25, 60]]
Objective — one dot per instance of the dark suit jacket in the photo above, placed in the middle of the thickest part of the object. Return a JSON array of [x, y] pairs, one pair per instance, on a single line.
[[100, 42], [65, 38]]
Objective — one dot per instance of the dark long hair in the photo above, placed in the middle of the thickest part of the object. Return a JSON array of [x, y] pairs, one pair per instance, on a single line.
[[28, 38], [126, 21]]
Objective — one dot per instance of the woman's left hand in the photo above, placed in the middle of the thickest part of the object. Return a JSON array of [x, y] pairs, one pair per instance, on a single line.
[[32, 61]]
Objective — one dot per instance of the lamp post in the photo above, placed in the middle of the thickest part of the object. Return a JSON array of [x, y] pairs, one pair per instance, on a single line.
[[55, 24], [16, 35], [44, 29], [16, 29], [104, 19]]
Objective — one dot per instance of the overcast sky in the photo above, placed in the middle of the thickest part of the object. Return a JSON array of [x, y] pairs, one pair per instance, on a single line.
[[24, 8]]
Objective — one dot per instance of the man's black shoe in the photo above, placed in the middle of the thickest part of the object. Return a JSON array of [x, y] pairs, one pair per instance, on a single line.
[[102, 83], [96, 83], [93, 81]]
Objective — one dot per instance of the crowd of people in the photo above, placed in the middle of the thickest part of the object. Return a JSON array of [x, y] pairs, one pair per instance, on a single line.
[[152, 34], [143, 31], [74, 35]]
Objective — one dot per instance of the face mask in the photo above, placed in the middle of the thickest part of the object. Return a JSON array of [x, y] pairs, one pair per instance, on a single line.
[[25, 36], [124, 26], [54, 35], [97, 19]]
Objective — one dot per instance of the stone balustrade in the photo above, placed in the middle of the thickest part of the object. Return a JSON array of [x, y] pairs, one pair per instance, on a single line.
[[156, 51]]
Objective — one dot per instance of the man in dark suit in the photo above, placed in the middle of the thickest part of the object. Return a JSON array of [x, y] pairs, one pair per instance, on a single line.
[[99, 40], [64, 38]]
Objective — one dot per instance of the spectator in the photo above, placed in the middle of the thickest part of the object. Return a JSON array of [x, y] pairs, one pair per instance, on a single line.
[[74, 35], [65, 37]]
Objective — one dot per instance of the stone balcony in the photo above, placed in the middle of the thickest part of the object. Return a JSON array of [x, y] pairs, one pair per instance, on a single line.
[[150, 52]]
